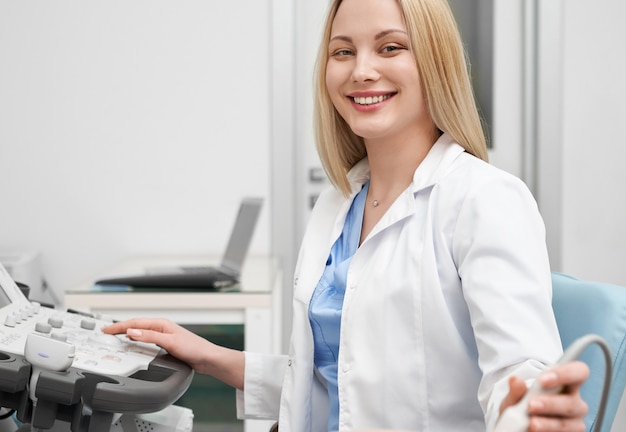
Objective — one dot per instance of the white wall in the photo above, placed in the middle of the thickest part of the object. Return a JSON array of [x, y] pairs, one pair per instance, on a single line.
[[594, 140], [130, 127], [583, 144], [508, 91]]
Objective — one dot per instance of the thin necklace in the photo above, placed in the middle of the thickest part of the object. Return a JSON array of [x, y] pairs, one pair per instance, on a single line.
[[374, 202]]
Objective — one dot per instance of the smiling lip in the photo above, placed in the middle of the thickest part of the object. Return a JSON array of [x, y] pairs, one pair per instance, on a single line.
[[369, 101]]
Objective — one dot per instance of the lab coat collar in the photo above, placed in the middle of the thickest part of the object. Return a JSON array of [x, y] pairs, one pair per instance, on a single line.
[[433, 167]]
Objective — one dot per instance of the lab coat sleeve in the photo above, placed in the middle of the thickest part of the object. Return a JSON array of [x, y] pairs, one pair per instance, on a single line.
[[263, 380], [501, 255]]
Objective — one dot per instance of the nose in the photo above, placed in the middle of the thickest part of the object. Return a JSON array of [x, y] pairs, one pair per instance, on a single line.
[[364, 69]]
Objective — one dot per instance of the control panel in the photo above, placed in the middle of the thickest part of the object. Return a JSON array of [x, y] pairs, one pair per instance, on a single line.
[[58, 365], [95, 351]]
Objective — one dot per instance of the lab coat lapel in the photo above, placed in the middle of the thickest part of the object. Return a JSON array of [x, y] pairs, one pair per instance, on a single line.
[[332, 208], [326, 224], [434, 165]]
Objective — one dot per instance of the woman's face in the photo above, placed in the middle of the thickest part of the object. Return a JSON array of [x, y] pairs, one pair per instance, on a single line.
[[371, 75]]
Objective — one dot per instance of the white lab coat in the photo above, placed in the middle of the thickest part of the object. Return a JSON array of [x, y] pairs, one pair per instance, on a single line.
[[449, 295]]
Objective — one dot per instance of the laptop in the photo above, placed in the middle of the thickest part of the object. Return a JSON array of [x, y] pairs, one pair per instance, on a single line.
[[203, 278]]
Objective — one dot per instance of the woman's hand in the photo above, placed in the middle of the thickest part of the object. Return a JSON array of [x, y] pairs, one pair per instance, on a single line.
[[203, 356], [562, 411]]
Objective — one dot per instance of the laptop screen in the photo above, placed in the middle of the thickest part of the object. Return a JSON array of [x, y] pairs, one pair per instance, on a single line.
[[241, 235]]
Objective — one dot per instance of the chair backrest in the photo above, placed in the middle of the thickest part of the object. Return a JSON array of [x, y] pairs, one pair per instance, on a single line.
[[584, 307]]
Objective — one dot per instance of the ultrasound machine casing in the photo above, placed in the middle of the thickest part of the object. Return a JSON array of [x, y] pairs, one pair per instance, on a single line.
[[58, 371]]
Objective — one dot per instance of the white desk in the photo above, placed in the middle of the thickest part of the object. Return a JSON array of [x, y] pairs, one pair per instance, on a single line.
[[256, 305]]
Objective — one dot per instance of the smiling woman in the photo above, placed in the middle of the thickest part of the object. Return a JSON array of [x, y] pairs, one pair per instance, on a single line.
[[395, 49], [422, 288]]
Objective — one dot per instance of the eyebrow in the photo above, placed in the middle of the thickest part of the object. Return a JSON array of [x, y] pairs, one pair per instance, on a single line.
[[378, 36]]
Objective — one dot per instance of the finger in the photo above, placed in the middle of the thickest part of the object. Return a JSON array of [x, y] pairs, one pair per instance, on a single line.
[[517, 389], [115, 328], [546, 424], [558, 405], [570, 375], [148, 336], [159, 325]]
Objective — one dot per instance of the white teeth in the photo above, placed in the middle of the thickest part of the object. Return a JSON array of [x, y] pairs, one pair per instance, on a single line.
[[370, 99]]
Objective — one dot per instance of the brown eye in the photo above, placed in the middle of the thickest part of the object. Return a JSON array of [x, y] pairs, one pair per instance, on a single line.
[[391, 48]]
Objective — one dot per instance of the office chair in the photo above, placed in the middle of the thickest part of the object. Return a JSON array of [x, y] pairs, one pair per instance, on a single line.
[[584, 307]]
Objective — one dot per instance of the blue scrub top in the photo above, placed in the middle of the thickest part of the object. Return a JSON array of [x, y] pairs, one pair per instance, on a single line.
[[327, 301]]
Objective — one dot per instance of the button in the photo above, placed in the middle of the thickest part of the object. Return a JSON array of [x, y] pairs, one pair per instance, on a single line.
[[43, 327], [55, 322], [10, 321], [88, 324], [289, 362], [111, 357], [345, 367]]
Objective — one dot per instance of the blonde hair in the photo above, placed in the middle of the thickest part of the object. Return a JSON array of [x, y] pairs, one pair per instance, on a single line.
[[442, 66]]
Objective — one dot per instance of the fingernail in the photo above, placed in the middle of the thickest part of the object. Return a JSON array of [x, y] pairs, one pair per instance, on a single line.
[[535, 404], [134, 332]]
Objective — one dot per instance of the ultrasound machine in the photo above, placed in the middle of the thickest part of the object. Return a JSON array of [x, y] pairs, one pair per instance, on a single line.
[[59, 372]]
